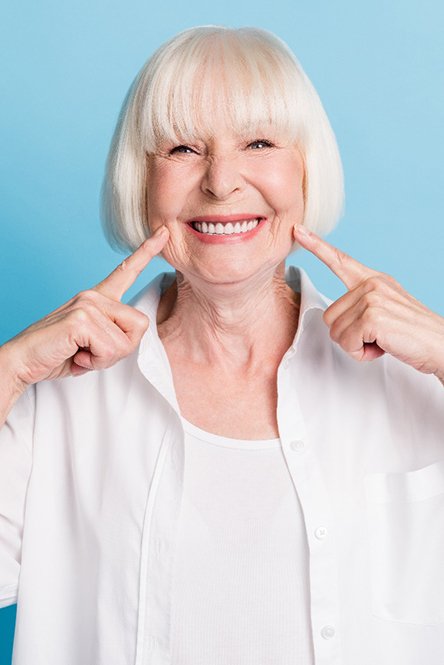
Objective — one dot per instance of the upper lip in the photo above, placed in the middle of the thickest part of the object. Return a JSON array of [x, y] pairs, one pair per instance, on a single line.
[[224, 218]]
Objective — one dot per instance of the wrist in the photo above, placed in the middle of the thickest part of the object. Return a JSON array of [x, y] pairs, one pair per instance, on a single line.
[[9, 371], [11, 386]]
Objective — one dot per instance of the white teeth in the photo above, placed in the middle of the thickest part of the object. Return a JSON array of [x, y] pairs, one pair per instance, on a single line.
[[225, 229]]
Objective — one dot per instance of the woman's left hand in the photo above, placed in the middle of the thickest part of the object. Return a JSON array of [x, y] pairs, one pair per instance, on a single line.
[[377, 315]]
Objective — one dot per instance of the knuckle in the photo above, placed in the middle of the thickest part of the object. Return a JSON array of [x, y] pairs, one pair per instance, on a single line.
[[133, 342], [143, 321], [88, 295], [340, 257], [119, 345], [107, 353], [127, 266], [79, 315], [373, 298], [372, 316], [334, 332], [125, 346], [84, 312], [380, 282], [139, 320], [356, 355], [343, 341], [326, 316], [374, 282], [391, 280]]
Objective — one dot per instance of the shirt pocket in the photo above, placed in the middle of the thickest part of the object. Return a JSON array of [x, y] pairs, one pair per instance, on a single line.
[[405, 513]]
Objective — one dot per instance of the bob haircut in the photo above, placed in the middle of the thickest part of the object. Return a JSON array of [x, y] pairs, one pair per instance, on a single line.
[[261, 88]]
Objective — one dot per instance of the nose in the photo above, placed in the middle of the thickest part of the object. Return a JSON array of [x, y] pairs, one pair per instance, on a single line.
[[222, 177]]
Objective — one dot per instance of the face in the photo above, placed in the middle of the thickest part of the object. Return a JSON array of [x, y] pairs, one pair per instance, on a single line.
[[229, 203]]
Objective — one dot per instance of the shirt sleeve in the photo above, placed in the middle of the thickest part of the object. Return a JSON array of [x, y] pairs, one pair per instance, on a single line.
[[15, 468]]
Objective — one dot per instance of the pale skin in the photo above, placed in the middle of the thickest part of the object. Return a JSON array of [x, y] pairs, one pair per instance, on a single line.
[[377, 315], [229, 317], [91, 331]]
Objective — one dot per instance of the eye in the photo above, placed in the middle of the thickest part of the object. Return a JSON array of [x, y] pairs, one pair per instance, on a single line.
[[182, 149], [262, 143]]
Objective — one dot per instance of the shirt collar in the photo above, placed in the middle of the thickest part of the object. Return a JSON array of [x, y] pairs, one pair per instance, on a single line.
[[311, 298], [313, 302], [152, 358]]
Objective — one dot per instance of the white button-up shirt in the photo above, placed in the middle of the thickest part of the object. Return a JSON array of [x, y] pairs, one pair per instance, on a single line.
[[91, 479]]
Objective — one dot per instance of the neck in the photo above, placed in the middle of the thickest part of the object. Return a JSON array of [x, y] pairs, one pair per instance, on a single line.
[[229, 324]]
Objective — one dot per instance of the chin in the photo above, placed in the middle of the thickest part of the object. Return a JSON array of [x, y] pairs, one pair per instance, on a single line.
[[226, 272]]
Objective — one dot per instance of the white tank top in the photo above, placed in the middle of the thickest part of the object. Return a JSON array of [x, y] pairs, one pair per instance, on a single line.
[[241, 579]]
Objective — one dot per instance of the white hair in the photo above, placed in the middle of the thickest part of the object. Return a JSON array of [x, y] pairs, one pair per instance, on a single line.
[[260, 84]]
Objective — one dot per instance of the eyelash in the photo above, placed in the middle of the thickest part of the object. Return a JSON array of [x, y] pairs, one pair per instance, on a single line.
[[173, 150], [266, 143]]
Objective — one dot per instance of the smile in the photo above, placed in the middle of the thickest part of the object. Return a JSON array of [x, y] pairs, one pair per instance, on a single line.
[[228, 228], [223, 229]]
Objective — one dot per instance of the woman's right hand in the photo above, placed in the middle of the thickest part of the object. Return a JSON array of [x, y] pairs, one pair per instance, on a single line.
[[91, 331]]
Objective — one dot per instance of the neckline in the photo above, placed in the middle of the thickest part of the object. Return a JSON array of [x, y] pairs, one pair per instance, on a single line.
[[227, 442]]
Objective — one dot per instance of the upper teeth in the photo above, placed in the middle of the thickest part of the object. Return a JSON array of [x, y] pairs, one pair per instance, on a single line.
[[226, 229]]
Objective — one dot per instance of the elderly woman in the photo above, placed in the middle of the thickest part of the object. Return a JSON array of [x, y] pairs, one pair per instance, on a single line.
[[228, 482]]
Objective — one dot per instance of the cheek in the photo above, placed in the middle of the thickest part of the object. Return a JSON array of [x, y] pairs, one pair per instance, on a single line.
[[283, 185], [165, 194], [159, 196]]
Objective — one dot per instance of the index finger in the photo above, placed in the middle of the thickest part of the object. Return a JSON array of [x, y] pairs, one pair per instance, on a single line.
[[124, 276], [349, 271]]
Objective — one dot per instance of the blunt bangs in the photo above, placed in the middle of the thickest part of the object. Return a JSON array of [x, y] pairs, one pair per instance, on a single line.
[[236, 78], [246, 77]]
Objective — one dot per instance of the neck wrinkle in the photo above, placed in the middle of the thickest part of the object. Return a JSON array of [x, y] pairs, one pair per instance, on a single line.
[[229, 325]]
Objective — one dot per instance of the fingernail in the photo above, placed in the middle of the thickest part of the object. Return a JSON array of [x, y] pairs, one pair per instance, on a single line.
[[299, 228], [160, 231]]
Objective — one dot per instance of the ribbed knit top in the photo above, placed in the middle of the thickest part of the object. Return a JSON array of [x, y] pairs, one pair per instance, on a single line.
[[240, 581]]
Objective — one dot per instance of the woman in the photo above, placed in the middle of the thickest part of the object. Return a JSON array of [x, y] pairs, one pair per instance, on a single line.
[[239, 488]]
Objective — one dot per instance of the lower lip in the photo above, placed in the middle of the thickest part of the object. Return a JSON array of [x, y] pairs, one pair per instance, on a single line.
[[221, 238]]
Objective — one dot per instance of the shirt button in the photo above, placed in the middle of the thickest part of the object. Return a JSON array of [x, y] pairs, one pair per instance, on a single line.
[[321, 532], [327, 632], [286, 363], [298, 445]]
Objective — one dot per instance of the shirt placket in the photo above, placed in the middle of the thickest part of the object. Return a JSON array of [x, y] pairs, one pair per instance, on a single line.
[[160, 525], [320, 528]]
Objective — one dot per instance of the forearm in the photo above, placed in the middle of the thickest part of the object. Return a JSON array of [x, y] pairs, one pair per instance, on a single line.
[[10, 385]]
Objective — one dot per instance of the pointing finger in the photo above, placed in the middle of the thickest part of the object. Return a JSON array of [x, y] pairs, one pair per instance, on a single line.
[[350, 271], [122, 277]]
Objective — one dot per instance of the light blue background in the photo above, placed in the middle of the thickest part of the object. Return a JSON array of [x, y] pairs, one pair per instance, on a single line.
[[378, 67]]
